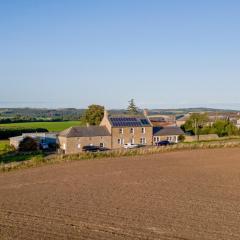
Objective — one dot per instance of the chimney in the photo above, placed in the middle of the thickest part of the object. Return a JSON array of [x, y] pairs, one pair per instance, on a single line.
[[105, 113], [145, 112]]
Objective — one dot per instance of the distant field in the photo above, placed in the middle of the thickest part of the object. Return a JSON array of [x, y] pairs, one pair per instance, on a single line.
[[50, 126]]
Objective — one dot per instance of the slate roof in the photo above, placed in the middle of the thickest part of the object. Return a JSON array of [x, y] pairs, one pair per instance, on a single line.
[[91, 131], [129, 121], [167, 131]]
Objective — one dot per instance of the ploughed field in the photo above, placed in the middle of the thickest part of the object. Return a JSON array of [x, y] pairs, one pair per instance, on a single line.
[[178, 195]]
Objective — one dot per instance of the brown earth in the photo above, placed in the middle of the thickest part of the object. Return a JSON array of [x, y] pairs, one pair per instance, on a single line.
[[179, 195]]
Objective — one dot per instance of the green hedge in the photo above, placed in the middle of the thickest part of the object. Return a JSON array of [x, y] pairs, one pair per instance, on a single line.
[[6, 133]]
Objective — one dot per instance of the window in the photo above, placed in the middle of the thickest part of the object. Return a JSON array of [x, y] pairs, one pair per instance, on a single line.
[[132, 130], [132, 141], [120, 141], [156, 139], [169, 139], [64, 146], [143, 130], [102, 145], [143, 140], [121, 130], [79, 146]]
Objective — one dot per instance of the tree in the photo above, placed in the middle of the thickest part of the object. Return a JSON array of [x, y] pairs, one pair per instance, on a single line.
[[225, 128], [28, 144], [132, 108], [93, 115], [195, 123]]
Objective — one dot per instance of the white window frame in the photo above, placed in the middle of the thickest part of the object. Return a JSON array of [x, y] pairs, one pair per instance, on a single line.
[[143, 140], [102, 144], [143, 130], [121, 130], [132, 141], [170, 138], [120, 141], [78, 145]]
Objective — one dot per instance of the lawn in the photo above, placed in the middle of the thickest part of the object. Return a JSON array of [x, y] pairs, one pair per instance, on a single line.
[[50, 126]]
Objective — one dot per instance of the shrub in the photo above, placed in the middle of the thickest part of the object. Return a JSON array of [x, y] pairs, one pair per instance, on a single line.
[[28, 144], [181, 138]]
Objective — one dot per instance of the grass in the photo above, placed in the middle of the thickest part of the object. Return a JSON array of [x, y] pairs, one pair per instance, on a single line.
[[50, 126], [11, 157], [3, 144], [19, 160]]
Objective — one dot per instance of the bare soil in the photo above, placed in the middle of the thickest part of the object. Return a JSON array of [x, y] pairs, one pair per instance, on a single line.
[[178, 195]]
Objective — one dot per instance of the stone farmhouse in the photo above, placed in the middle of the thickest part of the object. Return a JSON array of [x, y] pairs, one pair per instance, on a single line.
[[128, 129], [114, 131]]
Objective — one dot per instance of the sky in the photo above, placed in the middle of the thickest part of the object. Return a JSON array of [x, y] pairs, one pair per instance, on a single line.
[[164, 54]]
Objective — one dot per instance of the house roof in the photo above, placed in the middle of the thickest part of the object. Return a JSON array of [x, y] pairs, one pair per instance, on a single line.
[[91, 131], [167, 131], [129, 121], [157, 119]]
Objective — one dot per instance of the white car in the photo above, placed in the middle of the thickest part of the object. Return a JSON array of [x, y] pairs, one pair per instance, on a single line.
[[130, 146]]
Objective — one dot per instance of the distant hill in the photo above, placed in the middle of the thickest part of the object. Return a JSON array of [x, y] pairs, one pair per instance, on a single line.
[[187, 110], [178, 111], [75, 114], [65, 113]]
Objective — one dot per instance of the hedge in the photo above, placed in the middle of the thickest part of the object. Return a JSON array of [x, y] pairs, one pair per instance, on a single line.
[[6, 133]]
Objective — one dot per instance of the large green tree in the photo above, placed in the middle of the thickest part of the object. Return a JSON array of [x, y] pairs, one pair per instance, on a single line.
[[93, 115], [132, 108], [195, 123]]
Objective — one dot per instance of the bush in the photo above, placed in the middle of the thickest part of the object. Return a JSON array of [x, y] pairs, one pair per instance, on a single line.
[[181, 138], [28, 144]]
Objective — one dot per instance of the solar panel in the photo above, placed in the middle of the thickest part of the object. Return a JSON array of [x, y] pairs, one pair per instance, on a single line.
[[128, 122], [144, 121]]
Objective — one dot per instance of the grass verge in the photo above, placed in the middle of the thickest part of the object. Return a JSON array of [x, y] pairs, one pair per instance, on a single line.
[[18, 161]]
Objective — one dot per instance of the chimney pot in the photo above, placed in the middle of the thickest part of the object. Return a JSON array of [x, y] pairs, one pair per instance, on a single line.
[[145, 112]]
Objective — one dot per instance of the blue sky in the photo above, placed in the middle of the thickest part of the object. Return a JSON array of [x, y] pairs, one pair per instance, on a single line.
[[70, 53]]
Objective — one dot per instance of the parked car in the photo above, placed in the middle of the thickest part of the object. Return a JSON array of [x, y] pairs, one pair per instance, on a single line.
[[130, 146], [94, 149], [164, 143], [44, 146]]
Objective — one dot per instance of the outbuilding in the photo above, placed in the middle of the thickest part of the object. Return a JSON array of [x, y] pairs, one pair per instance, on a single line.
[[170, 134]]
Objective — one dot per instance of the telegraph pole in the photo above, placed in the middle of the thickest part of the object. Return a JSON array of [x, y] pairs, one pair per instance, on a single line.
[[196, 132]]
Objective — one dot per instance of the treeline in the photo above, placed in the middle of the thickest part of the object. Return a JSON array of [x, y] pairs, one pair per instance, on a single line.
[[6, 133], [25, 120]]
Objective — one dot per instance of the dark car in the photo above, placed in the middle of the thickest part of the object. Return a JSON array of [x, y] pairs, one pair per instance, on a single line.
[[94, 149], [163, 143]]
